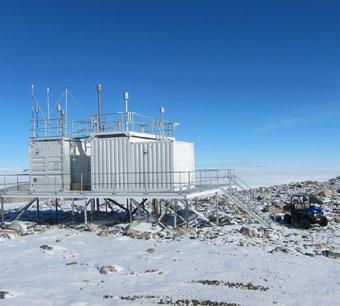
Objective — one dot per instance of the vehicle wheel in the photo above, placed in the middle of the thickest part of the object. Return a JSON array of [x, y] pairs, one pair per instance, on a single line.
[[323, 221], [287, 218], [305, 223]]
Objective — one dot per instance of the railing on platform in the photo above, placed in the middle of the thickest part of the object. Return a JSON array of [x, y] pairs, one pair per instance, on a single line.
[[171, 181], [123, 122]]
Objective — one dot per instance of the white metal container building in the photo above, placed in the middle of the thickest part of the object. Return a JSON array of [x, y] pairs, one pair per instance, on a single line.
[[137, 162], [58, 164], [49, 164], [109, 152]]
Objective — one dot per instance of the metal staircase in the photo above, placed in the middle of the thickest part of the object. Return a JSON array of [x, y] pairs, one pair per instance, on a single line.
[[245, 202]]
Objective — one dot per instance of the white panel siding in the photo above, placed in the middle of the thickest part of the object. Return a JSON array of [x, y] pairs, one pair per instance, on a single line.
[[49, 165], [184, 162]]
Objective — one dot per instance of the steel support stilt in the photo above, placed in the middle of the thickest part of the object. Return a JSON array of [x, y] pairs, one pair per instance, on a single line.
[[130, 209], [92, 208], [216, 206], [195, 206], [85, 212], [98, 206], [175, 213], [72, 206], [187, 213], [129, 217], [38, 211], [2, 212], [56, 210]]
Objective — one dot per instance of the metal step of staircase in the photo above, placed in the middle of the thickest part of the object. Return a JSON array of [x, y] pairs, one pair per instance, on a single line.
[[245, 204]]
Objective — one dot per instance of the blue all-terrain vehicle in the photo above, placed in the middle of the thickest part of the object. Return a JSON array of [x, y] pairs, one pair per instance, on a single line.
[[303, 211]]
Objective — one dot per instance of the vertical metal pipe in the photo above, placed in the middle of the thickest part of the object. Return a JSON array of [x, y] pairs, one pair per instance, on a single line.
[[129, 207], [72, 206], [216, 205], [175, 213], [98, 207], [126, 99], [85, 212], [2, 212], [66, 110], [195, 206], [187, 213], [56, 210], [48, 111], [92, 206], [81, 182], [99, 111], [38, 211]]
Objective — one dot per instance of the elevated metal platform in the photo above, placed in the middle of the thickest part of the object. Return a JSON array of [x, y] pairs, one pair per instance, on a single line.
[[136, 185], [216, 183]]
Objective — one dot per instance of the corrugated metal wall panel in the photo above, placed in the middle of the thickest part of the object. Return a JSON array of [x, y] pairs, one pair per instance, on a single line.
[[119, 164], [153, 162]]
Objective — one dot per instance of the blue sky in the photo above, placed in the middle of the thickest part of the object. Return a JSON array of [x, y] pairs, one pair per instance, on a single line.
[[251, 82]]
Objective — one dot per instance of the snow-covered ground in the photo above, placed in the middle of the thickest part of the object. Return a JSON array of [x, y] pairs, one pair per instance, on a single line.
[[66, 272], [60, 265], [236, 264]]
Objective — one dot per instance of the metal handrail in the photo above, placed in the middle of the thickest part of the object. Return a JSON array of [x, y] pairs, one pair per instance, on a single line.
[[123, 122], [204, 179]]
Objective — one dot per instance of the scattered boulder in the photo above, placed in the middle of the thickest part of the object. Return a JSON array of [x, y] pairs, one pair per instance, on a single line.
[[46, 247], [326, 193], [8, 234], [265, 208], [281, 250], [139, 235], [108, 232], [315, 199], [248, 232], [150, 250], [18, 227], [134, 224], [140, 230], [107, 269], [180, 231], [331, 254], [3, 294], [71, 263], [92, 227]]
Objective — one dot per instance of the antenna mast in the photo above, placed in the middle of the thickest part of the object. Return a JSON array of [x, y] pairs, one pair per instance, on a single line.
[[99, 110], [162, 111], [66, 109], [35, 110], [48, 111], [126, 99]]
